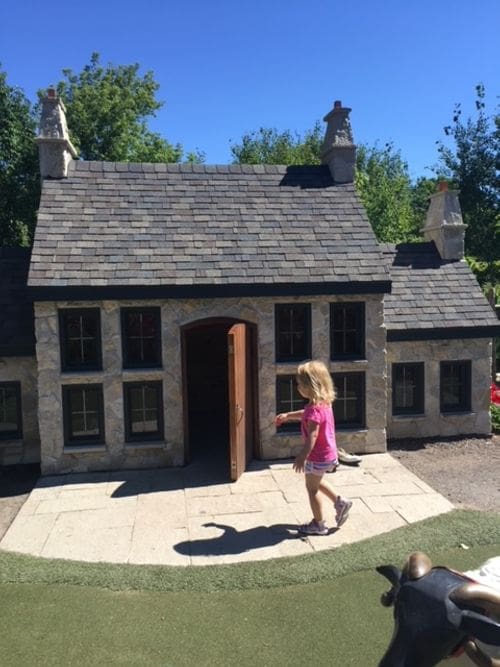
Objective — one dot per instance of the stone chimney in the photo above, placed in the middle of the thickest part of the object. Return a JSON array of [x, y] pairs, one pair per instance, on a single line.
[[54, 146], [444, 224], [338, 150]]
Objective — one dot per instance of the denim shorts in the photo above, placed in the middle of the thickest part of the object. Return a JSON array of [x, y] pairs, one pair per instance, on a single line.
[[320, 467]]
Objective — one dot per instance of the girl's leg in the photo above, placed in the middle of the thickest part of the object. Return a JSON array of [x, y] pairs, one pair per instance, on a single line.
[[325, 488], [313, 483]]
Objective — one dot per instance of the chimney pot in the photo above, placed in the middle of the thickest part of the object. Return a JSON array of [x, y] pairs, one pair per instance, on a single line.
[[338, 150], [444, 224], [54, 146]]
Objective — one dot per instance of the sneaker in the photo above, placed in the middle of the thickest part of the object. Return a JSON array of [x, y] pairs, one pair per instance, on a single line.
[[342, 507], [313, 528], [348, 459]]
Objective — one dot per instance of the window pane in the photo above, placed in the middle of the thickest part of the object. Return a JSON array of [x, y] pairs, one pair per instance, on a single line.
[[455, 386], [347, 330], [89, 326], [134, 324], [292, 331], [148, 325], [91, 400], [73, 352], [89, 349], [408, 388], [141, 338], [83, 414], [288, 399], [148, 351], [134, 350], [80, 339], [143, 407], [150, 398], [77, 424], [9, 409], [135, 398], [77, 400], [349, 405], [92, 423], [73, 329]]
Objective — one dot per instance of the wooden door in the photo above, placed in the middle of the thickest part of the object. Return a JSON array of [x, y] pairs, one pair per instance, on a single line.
[[238, 417]]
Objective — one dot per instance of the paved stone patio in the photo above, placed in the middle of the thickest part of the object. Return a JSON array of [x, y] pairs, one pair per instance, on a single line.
[[181, 517]]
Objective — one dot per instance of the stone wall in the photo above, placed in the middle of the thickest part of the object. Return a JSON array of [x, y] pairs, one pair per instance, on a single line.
[[373, 437], [26, 450], [175, 314], [432, 423]]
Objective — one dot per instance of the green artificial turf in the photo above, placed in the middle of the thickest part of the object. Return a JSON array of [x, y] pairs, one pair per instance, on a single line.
[[321, 609], [431, 535]]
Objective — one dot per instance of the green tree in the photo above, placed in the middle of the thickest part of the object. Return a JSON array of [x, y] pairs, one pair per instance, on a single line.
[[472, 165], [386, 190], [19, 176], [107, 112], [268, 146], [382, 177]]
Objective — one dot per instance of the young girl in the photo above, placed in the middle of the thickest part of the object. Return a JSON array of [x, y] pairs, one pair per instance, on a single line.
[[319, 454]]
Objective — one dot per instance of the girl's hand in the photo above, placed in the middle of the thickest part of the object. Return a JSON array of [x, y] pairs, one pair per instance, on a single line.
[[300, 461], [281, 418]]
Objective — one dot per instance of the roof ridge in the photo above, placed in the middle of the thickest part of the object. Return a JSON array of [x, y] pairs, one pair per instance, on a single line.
[[189, 167]]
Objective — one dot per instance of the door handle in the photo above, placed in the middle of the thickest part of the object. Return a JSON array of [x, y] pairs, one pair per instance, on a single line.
[[239, 413]]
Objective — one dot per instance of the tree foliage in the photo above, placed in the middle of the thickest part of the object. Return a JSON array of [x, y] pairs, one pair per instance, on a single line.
[[386, 190], [382, 177], [472, 165], [268, 146], [107, 112], [19, 176]]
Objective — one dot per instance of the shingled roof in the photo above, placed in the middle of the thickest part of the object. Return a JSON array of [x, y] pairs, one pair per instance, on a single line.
[[193, 229], [433, 298], [17, 327]]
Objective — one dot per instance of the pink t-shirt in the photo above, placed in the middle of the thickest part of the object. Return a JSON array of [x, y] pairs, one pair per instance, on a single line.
[[325, 447]]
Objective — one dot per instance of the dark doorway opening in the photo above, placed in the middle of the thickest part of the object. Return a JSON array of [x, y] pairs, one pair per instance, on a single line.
[[206, 389], [207, 394]]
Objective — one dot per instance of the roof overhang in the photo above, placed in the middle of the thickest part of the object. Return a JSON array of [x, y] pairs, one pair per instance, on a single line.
[[119, 292], [443, 333]]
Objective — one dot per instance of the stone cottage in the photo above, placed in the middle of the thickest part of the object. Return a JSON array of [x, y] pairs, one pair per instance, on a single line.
[[172, 303]]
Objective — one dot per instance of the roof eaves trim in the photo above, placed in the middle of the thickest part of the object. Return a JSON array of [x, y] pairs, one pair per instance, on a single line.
[[443, 333], [89, 293]]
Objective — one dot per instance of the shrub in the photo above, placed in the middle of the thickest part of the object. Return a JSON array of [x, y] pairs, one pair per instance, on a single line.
[[495, 417]]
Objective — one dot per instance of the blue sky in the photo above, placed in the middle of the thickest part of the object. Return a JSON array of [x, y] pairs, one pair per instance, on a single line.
[[229, 66]]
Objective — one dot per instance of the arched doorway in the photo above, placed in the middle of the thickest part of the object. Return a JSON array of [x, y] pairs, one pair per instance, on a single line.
[[220, 394]]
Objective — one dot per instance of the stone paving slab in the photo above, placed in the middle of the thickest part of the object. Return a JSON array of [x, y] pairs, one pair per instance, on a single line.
[[174, 517]]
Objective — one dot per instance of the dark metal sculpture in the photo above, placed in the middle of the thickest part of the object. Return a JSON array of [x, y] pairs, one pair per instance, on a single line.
[[438, 613]]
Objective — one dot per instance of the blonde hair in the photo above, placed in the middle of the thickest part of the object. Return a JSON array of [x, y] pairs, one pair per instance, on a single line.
[[316, 382]]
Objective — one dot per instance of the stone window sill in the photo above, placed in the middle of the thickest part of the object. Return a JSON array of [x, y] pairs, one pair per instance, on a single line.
[[351, 429], [146, 444], [403, 418], [84, 449]]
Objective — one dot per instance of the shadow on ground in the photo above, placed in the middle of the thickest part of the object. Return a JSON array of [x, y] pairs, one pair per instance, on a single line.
[[18, 480], [234, 541]]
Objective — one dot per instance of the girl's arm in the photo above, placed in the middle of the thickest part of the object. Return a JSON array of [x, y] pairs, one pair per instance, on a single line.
[[288, 417], [310, 441]]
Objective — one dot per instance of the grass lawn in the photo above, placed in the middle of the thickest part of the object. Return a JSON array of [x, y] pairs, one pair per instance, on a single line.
[[322, 608]]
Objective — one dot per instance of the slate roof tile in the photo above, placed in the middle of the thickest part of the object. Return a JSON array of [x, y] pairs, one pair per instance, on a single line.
[[202, 224], [430, 293]]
